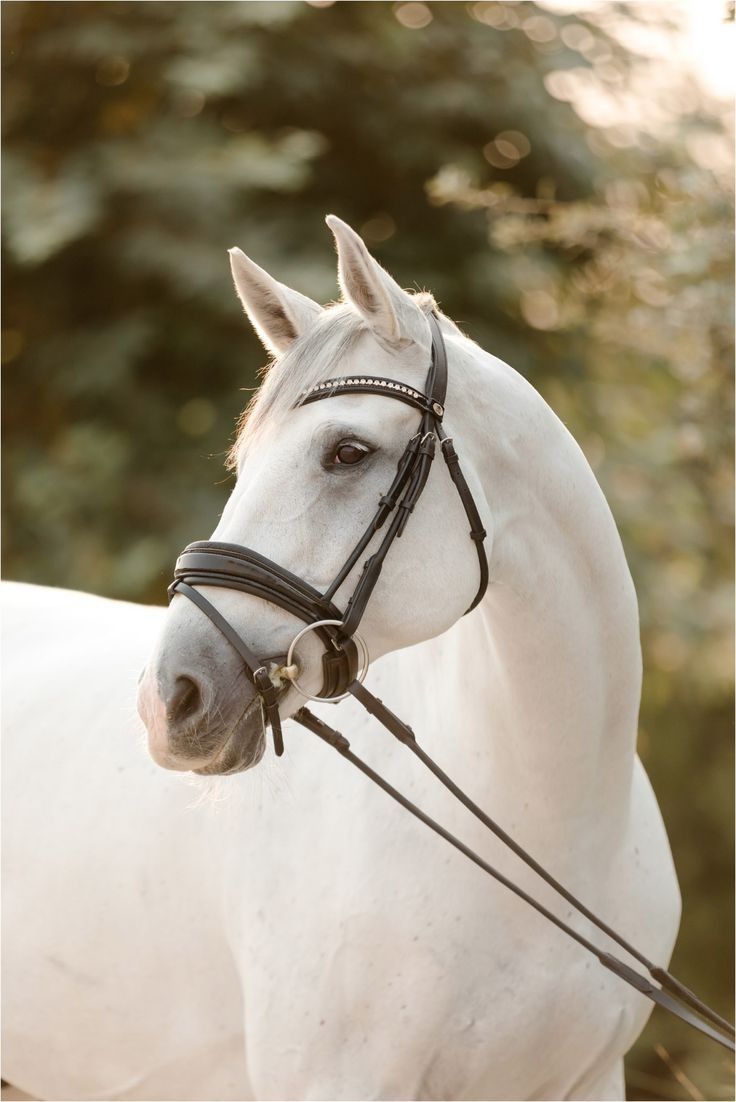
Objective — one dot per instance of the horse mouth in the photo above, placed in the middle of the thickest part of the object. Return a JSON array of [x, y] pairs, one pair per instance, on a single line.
[[243, 748]]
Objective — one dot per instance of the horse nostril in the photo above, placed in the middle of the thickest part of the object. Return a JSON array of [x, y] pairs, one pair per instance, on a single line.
[[185, 701]]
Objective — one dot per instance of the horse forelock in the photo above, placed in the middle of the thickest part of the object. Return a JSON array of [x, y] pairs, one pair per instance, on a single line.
[[311, 359]]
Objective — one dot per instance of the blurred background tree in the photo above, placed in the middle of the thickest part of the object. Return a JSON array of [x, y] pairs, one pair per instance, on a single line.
[[560, 184]]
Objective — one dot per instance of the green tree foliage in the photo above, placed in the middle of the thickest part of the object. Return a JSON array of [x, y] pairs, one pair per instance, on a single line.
[[489, 151]]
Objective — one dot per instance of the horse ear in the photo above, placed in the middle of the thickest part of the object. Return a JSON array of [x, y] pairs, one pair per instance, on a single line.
[[278, 314], [390, 312]]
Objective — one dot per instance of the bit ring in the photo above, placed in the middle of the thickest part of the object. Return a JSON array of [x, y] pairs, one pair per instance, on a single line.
[[360, 676]]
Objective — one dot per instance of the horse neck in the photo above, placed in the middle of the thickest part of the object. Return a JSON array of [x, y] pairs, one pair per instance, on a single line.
[[551, 657]]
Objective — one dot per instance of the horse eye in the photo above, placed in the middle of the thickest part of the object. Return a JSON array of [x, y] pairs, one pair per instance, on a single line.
[[349, 453]]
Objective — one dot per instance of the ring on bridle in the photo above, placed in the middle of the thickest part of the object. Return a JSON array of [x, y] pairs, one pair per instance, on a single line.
[[231, 566], [365, 661]]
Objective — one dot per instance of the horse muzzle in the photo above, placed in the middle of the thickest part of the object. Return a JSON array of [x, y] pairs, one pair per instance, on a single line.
[[230, 566]]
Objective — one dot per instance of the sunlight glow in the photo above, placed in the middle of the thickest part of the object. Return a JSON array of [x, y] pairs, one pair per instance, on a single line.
[[707, 48]]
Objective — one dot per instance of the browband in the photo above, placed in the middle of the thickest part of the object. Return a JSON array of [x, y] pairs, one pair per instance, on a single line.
[[364, 384]]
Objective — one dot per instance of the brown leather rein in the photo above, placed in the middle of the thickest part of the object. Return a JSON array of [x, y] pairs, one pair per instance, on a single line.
[[208, 563]]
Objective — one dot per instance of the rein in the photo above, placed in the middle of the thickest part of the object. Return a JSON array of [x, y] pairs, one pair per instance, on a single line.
[[345, 659]]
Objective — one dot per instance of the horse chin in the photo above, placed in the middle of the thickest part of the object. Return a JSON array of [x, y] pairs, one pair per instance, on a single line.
[[244, 747]]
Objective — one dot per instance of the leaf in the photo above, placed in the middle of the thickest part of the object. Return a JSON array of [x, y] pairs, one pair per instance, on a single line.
[[44, 213]]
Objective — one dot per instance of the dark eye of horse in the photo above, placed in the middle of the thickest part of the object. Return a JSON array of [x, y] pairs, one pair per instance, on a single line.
[[349, 453]]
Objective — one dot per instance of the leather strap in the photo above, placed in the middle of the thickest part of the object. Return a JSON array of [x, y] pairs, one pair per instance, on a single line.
[[373, 566], [437, 379], [254, 667], [477, 531], [225, 564], [404, 734], [629, 975], [385, 506]]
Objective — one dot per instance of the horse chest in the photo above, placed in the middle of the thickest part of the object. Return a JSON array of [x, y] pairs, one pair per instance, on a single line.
[[367, 1004], [380, 961]]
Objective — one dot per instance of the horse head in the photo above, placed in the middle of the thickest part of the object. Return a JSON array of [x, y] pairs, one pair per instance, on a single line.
[[310, 475]]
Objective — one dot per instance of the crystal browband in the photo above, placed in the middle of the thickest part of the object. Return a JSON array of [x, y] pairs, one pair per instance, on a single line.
[[372, 384]]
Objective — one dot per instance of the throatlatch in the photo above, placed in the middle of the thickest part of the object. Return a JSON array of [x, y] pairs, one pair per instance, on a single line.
[[345, 660]]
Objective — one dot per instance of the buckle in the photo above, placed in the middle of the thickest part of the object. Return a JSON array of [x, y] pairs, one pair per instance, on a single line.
[[265, 686]]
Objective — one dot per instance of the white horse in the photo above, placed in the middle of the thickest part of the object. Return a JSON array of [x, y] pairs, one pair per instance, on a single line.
[[307, 939]]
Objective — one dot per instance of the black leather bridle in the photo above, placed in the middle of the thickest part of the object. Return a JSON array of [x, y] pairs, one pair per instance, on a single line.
[[208, 563], [234, 567]]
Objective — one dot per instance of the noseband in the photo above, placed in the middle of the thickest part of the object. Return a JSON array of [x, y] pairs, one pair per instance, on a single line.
[[345, 659], [233, 567]]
